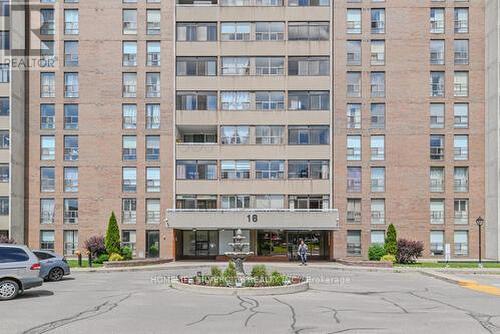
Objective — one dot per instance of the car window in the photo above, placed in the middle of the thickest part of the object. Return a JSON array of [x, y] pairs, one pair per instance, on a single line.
[[11, 254], [43, 256]]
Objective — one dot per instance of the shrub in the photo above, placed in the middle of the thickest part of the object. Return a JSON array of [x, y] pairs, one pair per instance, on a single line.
[[5, 240], [153, 250], [388, 258], [277, 279], [95, 245], [102, 258], [375, 252], [215, 271], [230, 273], [115, 257], [127, 253], [249, 283], [259, 272], [409, 250], [391, 245], [113, 236]]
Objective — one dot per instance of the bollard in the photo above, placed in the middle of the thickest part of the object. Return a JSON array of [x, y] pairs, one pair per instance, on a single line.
[[90, 260], [79, 260]]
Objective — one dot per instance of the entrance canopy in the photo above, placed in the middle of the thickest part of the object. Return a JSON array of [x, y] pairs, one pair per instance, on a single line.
[[281, 219]]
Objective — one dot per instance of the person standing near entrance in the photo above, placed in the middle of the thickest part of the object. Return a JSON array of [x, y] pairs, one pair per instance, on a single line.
[[303, 252]]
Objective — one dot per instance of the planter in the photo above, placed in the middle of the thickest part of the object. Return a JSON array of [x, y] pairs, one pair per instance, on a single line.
[[135, 263]]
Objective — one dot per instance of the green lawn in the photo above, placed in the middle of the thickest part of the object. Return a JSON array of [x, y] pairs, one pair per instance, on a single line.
[[85, 264], [450, 265]]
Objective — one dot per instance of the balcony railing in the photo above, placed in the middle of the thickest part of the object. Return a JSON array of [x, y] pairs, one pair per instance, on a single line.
[[461, 249], [437, 185], [152, 217], [437, 248], [437, 217], [461, 185], [129, 217], [353, 216], [437, 153], [461, 217], [71, 217], [378, 217], [354, 249]]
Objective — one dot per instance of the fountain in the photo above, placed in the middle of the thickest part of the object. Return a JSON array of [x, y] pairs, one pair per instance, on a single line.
[[238, 256]]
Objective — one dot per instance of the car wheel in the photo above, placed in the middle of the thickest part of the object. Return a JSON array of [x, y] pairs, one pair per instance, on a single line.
[[8, 289], [56, 274]]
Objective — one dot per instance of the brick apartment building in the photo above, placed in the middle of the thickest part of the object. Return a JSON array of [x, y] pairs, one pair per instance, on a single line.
[[318, 119]]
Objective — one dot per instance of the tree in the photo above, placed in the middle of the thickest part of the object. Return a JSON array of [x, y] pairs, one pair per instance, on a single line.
[[409, 251], [95, 245], [112, 240], [391, 244]]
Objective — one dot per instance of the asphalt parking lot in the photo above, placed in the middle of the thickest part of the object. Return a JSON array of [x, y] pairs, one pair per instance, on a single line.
[[339, 301]]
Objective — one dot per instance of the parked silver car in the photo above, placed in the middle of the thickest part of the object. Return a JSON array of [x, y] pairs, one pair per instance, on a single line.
[[53, 266], [19, 270]]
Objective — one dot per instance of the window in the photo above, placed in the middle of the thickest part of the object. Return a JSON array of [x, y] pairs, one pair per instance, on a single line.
[[235, 135], [70, 242], [129, 210], [47, 117], [130, 53], [437, 20], [353, 148], [309, 135], [129, 152], [71, 21], [71, 87], [437, 52], [4, 73], [461, 179], [308, 31], [152, 211], [129, 179], [4, 8], [235, 202], [4, 139], [152, 116], [461, 19], [196, 66], [353, 214], [47, 210], [47, 148], [196, 100], [377, 21], [71, 148], [354, 84], [197, 32], [70, 53], [129, 84], [437, 211], [209, 138], [71, 116], [377, 115], [129, 239], [47, 50], [353, 53], [437, 116], [308, 3], [308, 100], [4, 106], [47, 84], [153, 53], [70, 211], [47, 179], [308, 202], [4, 173], [47, 239], [354, 21], [461, 147], [269, 31], [235, 31], [353, 243], [377, 52], [377, 179], [197, 202], [461, 211], [437, 147], [461, 115], [236, 100], [130, 21], [377, 147], [377, 81], [461, 51], [437, 179], [354, 116], [152, 148], [129, 116], [269, 202], [196, 170], [377, 238], [377, 211], [309, 169], [153, 179], [461, 84], [153, 22], [270, 169], [437, 242], [235, 66], [70, 179], [353, 179], [461, 243], [269, 65], [269, 135], [47, 24], [235, 169], [271, 100], [4, 206], [152, 84]]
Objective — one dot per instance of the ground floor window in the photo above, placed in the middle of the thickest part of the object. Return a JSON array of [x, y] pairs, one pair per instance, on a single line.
[[129, 240], [200, 243], [152, 243], [353, 243], [70, 242], [47, 239]]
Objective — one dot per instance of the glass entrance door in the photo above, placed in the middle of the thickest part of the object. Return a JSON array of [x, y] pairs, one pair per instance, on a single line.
[[152, 243], [315, 241], [271, 243]]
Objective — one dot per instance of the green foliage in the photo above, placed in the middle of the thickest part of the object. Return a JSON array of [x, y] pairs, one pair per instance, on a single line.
[[153, 250], [215, 271], [391, 245], [112, 240], [249, 283], [127, 253], [277, 279], [259, 271], [102, 258], [115, 257], [375, 252], [230, 273], [388, 258]]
